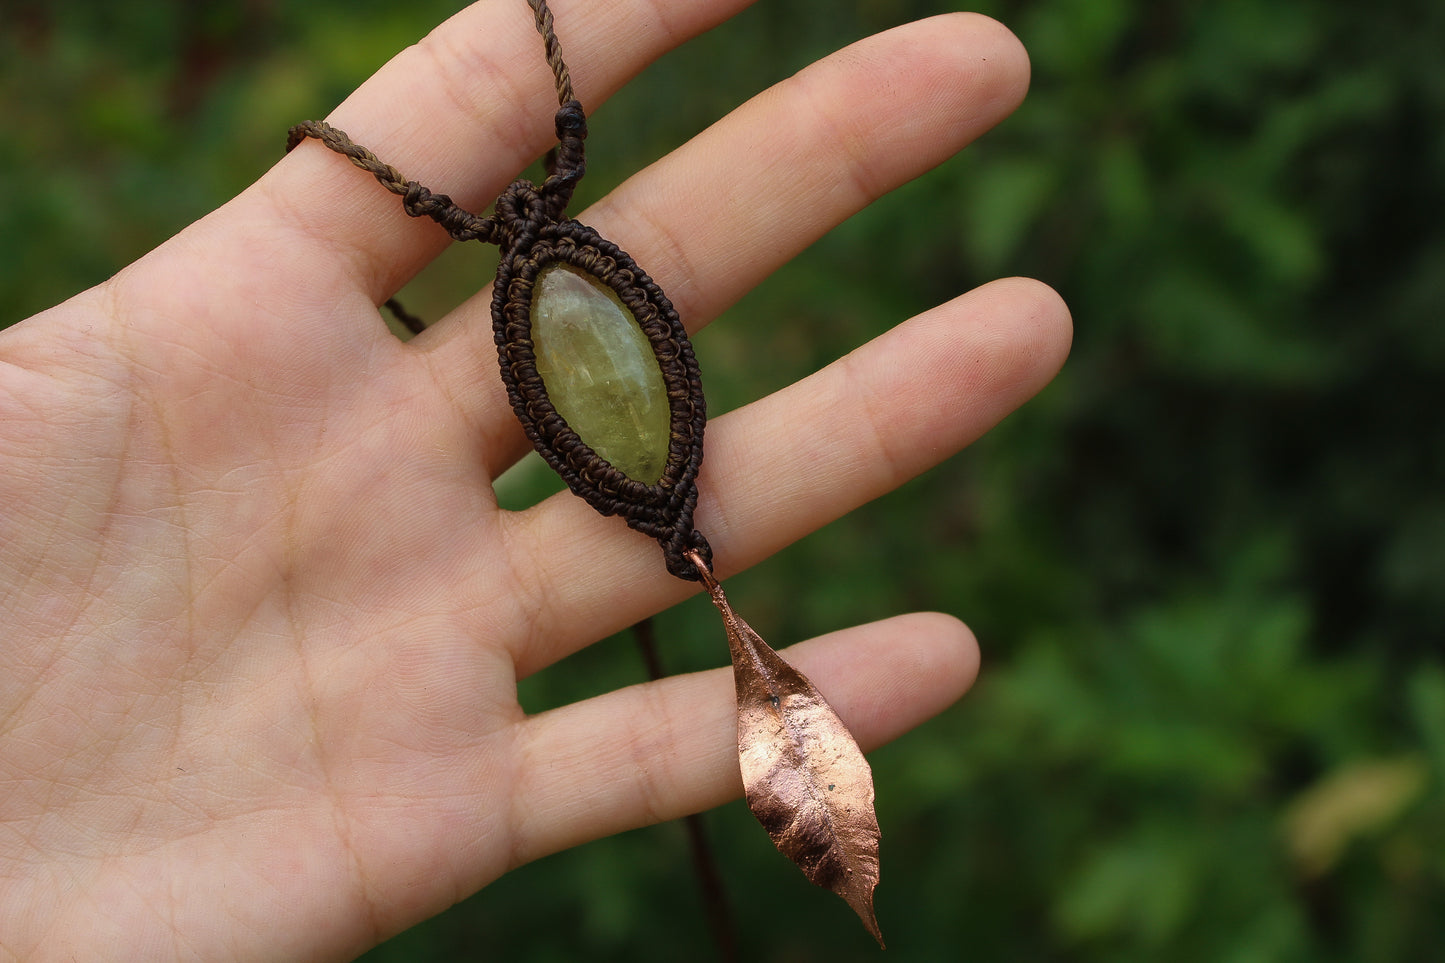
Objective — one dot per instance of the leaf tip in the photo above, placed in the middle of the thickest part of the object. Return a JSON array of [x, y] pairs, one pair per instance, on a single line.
[[862, 904]]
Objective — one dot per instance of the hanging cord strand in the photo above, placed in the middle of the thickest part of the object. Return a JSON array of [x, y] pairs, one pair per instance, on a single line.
[[554, 51], [704, 863], [417, 200]]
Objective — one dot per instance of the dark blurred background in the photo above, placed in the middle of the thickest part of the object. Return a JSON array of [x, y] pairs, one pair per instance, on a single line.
[[1205, 565]]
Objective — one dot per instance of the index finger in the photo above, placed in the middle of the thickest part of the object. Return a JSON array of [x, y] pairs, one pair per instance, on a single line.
[[462, 112]]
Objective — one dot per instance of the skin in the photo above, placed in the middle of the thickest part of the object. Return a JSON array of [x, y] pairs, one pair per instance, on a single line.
[[263, 618]]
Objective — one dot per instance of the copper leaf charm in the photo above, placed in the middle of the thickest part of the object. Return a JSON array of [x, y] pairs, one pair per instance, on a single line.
[[806, 779]]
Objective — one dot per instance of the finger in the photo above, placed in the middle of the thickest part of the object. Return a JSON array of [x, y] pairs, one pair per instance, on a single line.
[[788, 464], [724, 211], [462, 112], [658, 751]]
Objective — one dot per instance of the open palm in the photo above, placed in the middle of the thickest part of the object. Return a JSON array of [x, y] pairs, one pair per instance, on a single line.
[[262, 617]]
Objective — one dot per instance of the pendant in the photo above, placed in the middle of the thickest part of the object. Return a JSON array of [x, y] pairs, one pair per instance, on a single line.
[[597, 365]]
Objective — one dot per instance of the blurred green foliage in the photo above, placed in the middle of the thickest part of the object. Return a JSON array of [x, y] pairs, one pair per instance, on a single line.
[[1205, 565]]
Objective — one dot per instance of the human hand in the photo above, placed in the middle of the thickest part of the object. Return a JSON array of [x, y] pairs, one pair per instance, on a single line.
[[263, 619]]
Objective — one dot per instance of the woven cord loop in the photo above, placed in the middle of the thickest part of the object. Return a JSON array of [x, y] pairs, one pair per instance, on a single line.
[[568, 160]]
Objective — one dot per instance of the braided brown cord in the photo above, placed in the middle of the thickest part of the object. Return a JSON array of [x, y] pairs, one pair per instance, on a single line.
[[530, 226], [554, 51], [417, 200]]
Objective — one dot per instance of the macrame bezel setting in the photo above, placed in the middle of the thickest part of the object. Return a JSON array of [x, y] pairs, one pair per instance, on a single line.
[[662, 510]]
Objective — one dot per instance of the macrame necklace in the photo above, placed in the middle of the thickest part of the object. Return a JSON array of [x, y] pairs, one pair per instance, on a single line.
[[601, 375]]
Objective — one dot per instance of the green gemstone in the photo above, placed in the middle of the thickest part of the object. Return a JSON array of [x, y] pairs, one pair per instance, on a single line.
[[600, 371]]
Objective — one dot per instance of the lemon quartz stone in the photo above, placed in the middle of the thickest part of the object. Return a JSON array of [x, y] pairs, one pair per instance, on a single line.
[[600, 371]]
